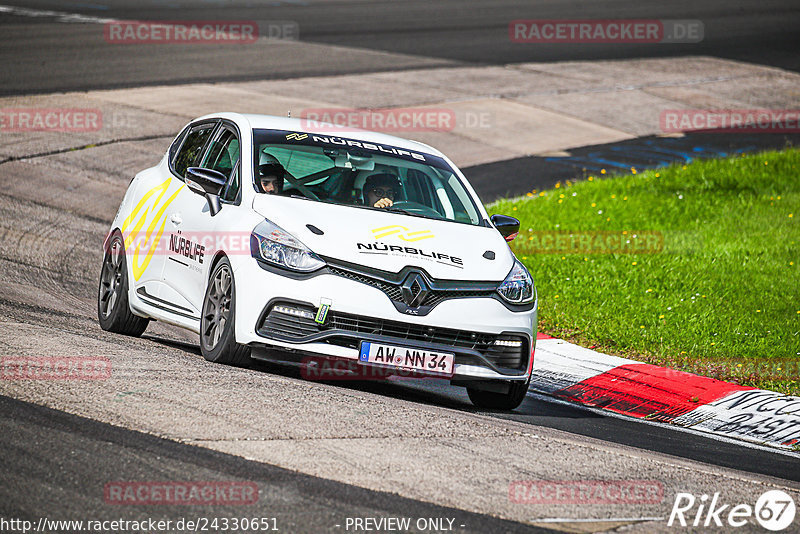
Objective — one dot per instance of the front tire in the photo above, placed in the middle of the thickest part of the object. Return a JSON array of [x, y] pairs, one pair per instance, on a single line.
[[113, 310], [217, 322], [493, 400]]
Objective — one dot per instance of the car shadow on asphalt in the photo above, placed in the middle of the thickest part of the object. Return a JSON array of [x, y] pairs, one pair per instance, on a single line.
[[193, 348], [432, 392]]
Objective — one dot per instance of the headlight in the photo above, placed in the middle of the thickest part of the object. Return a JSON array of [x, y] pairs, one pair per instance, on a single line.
[[517, 288], [273, 244]]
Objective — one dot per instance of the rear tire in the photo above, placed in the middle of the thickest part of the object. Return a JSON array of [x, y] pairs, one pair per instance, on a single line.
[[113, 310], [217, 322], [499, 401]]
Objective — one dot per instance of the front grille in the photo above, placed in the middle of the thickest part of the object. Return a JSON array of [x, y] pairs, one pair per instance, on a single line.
[[395, 293], [392, 291], [346, 329]]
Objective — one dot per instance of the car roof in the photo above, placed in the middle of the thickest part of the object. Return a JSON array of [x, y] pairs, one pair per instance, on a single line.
[[271, 122]]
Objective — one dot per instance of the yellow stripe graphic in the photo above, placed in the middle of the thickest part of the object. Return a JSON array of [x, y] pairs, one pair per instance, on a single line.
[[402, 233], [147, 207], [416, 236]]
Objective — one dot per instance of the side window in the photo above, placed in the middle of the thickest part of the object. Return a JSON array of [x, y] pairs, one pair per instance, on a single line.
[[223, 154], [173, 149], [192, 147]]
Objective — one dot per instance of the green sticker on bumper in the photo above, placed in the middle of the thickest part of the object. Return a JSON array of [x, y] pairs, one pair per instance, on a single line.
[[322, 313]]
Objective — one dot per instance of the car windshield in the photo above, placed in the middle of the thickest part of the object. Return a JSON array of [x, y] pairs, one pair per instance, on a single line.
[[361, 174]]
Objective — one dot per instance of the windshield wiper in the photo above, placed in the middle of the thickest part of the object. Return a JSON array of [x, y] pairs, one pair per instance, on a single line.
[[397, 210]]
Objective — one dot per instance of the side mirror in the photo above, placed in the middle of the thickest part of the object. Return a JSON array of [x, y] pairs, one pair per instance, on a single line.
[[507, 226], [206, 182]]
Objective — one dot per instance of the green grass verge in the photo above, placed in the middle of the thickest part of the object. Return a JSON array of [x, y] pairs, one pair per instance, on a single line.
[[715, 290]]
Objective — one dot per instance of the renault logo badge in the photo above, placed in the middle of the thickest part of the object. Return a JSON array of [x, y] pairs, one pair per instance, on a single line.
[[414, 290]]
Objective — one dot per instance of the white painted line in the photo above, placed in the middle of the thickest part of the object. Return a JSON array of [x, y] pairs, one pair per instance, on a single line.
[[756, 414], [766, 419], [60, 16], [265, 28], [613, 519]]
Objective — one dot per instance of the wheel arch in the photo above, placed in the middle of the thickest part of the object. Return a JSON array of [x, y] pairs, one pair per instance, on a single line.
[[109, 235], [218, 255]]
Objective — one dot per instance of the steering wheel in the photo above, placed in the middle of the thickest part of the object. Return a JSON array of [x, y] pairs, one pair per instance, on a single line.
[[416, 207], [317, 195]]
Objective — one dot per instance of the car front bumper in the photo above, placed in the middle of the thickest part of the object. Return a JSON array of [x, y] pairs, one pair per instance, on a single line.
[[481, 332]]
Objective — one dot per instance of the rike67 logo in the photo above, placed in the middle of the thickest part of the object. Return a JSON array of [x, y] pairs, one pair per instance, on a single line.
[[774, 510]]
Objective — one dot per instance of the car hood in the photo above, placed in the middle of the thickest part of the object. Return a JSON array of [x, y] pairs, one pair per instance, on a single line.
[[391, 241]]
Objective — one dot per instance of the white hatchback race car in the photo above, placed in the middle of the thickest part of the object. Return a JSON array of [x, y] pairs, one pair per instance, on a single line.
[[277, 240]]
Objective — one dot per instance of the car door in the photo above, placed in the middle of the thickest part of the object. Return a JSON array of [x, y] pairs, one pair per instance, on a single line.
[[145, 228], [195, 232]]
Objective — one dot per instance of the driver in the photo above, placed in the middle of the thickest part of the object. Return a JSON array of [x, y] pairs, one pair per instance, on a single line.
[[381, 189], [270, 175]]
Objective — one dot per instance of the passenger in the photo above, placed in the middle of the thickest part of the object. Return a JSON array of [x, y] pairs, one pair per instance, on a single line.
[[381, 189]]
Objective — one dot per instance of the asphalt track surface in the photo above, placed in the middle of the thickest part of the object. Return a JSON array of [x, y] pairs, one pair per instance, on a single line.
[[540, 411], [56, 484], [41, 54], [54, 462]]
